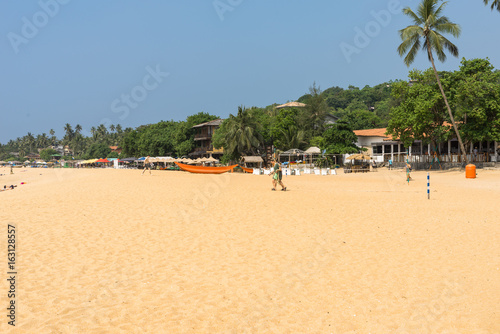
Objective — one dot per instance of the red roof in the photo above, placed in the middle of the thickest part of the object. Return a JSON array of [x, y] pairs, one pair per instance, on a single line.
[[372, 133]]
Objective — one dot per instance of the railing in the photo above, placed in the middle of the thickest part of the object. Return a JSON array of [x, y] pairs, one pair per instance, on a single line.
[[202, 136], [454, 158]]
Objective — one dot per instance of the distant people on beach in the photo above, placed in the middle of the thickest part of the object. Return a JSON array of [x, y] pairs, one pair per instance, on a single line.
[[390, 164], [11, 187], [277, 175], [147, 164]]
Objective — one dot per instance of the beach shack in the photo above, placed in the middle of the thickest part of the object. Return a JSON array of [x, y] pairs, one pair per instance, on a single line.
[[203, 139], [421, 155], [252, 161]]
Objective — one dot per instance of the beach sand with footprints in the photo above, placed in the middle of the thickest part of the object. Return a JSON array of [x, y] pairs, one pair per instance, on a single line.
[[111, 251]]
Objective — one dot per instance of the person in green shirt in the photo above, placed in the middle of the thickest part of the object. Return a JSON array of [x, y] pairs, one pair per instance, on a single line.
[[277, 175]]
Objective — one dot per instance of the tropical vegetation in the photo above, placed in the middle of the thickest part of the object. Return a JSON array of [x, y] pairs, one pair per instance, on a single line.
[[427, 34]]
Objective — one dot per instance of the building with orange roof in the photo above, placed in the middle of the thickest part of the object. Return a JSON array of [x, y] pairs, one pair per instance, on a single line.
[[383, 147], [116, 149]]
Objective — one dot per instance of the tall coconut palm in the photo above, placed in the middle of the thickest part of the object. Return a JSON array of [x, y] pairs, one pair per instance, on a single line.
[[243, 134], [69, 131], [426, 33], [53, 139], [494, 4], [30, 141], [93, 131]]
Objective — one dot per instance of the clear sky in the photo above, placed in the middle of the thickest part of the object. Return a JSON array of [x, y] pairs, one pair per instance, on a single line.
[[138, 62]]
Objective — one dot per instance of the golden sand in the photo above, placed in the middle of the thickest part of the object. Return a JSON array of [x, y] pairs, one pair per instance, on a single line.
[[111, 251]]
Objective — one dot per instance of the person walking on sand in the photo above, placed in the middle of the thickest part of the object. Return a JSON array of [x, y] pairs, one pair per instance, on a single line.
[[277, 176], [147, 164]]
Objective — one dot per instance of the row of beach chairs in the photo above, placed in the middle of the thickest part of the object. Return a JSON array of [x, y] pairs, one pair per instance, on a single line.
[[294, 171]]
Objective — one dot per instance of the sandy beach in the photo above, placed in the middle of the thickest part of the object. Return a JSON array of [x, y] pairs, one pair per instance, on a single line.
[[111, 251]]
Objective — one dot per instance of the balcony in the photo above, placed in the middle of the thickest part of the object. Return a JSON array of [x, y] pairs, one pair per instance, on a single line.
[[202, 136]]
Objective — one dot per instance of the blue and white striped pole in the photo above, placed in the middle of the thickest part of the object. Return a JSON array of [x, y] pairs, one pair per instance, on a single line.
[[428, 187]]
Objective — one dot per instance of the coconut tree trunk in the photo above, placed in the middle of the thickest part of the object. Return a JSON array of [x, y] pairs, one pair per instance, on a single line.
[[447, 106]]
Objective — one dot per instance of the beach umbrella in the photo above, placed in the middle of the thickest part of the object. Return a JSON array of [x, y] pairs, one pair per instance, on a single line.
[[293, 151], [212, 159], [102, 160], [313, 150], [292, 105]]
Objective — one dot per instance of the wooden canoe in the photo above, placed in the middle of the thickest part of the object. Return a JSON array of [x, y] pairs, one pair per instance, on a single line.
[[248, 170], [203, 169]]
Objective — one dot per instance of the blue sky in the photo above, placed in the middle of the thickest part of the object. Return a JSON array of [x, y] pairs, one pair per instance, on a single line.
[[137, 62]]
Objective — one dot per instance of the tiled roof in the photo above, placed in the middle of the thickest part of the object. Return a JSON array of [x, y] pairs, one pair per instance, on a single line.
[[215, 122], [371, 133]]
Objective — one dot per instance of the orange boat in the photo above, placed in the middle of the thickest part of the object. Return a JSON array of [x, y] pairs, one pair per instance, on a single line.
[[203, 169], [248, 170]]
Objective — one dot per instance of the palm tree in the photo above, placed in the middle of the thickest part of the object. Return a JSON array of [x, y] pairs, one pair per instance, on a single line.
[[102, 133], [42, 141], [93, 131], [69, 131], [53, 139], [30, 141], [315, 113], [78, 129], [428, 25], [243, 134], [494, 3], [293, 137]]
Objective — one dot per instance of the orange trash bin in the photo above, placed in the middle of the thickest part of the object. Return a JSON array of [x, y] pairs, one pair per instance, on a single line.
[[470, 171]]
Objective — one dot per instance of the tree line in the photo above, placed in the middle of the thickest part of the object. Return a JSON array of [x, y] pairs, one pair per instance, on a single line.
[[432, 106]]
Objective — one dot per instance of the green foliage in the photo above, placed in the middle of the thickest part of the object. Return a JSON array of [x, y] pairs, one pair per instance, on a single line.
[[494, 4], [421, 113], [316, 141], [312, 117], [285, 127], [113, 155], [97, 151], [477, 100], [427, 31], [47, 154], [163, 138], [339, 139], [239, 135], [362, 119]]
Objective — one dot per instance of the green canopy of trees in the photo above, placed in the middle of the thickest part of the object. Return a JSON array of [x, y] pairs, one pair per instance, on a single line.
[[411, 110], [474, 98]]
